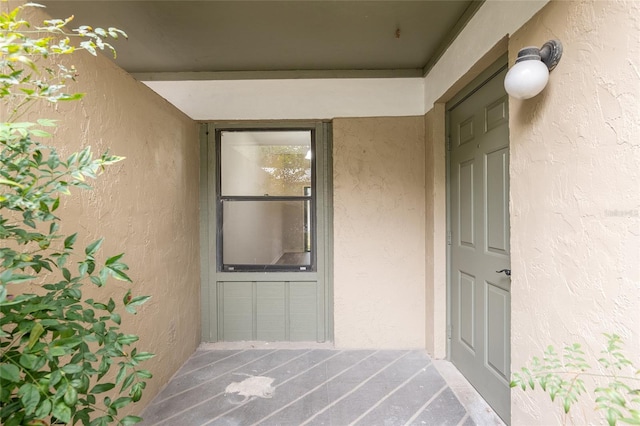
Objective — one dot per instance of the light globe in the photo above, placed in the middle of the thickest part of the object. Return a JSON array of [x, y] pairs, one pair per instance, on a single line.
[[526, 79]]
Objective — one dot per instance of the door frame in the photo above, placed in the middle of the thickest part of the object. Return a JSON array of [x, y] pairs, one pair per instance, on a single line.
[[209, 274], [491, 71], [499, 395]]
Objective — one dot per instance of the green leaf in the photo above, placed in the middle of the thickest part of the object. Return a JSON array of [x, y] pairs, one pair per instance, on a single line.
[[57, 351], [142, 356], [72, 368], [97, 280], [82, 416], [46, 122], [612, 416], [118, 274], [130, 420], [102, 387], [10, 183], [30, 361], [127, 339], [121, 373], [44, 409], [93, 247], [83, 387], [56, 376], [62, 412], [70, 241], [127, 298], [101, 421], [35, 334], [30, 397], [123, 401], [40, 133], [72, 97], [104, 366], [127, 382], [114, 259], [9, 372], [144, 374], [71, 397], [97, 305], [8, 277], [139, 300], [136, 391]]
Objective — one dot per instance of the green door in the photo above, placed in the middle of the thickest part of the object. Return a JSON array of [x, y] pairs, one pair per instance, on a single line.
[[479, 225], [266, 226]]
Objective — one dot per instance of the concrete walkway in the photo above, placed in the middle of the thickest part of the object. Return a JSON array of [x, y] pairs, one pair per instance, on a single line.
[[317, 386]]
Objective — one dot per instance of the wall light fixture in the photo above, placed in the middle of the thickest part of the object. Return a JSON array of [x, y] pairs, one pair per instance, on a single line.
[[530, 74]]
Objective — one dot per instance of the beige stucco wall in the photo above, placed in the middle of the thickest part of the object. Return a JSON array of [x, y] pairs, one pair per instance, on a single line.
[[435, 235], [379, 230], [145, 206], [575, 193]]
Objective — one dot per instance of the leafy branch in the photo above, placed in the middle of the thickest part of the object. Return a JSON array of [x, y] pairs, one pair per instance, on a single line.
[[23, 46], [618, 393]]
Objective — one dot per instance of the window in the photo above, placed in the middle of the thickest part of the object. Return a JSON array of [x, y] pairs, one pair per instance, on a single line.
[[266, 200]]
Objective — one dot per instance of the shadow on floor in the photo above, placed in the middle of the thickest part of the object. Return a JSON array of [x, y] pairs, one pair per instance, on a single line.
[[317, 386]]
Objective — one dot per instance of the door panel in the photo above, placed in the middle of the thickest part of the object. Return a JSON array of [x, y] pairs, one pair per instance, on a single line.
[[467, 312], [479, 225], [497, 208], [465, 194], [497, 330]]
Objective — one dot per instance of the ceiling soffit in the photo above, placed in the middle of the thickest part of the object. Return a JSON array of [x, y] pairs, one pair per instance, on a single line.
[[176, 40]]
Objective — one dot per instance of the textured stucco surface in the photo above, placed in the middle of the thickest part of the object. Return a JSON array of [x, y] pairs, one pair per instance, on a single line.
[[435, 234], [145, 206], [575, 194], [379, 231]]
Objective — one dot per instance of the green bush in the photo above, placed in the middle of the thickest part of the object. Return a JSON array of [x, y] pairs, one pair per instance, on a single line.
[[58, 351]]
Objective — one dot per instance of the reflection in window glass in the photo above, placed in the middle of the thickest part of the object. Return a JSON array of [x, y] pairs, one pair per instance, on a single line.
[[265, 233], [265, 163]]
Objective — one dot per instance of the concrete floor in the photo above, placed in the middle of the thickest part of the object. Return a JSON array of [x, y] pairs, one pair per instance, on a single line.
[[222, 385]]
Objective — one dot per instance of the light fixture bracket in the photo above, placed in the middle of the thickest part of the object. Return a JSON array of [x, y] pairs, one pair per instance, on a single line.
[[550, 53]]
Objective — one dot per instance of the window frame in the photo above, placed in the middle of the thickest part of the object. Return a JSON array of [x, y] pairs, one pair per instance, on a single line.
[[220, 199]]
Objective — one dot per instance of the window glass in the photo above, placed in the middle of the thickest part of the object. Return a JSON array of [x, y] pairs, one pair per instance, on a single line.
[[265, 163], [266, 200], [265, 233]]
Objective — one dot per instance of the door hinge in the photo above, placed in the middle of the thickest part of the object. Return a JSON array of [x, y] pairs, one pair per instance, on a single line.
[[448, 143], [448, 238], [449, 331]]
